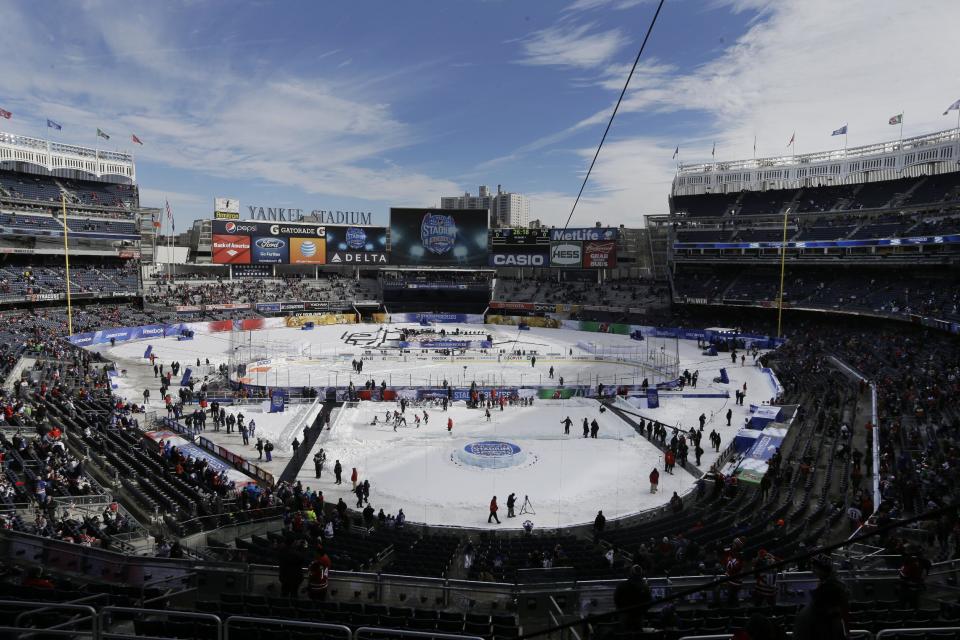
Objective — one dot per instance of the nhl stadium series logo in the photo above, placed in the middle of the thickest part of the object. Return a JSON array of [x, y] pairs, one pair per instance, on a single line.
[[356, 237], [438, 233]]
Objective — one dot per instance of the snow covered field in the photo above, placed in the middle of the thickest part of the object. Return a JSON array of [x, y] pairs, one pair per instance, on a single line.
[[567, 478]]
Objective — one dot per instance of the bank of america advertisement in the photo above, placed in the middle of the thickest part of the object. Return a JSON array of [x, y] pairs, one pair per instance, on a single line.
[[438, 237], [357, 245]]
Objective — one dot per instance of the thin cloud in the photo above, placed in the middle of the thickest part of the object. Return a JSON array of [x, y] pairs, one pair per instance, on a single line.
[[204, 115], [764, 85], [571, 46]]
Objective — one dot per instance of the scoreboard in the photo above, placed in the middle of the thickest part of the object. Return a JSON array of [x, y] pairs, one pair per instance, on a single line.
[[519, 247], [519, 237]]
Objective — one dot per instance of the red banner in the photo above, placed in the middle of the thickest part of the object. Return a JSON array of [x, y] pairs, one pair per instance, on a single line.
[[600, 255], [231, 249]]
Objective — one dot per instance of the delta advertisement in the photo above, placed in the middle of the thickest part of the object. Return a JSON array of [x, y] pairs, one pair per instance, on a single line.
[[438, 237], [356, 245]]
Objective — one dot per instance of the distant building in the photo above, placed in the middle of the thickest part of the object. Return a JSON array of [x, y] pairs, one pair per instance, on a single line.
[[506, 209]]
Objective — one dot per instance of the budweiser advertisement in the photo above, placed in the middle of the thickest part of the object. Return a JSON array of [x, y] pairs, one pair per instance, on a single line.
[[600, 255]]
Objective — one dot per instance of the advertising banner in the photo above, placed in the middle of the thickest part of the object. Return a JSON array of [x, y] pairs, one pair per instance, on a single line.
[[825, 244], [246, 228], [530, 321], [459, 318], [566, 254], [594, 234], [321, 319], [600, 255], [268, 307], [226, 208], [518, 306], [356, 245], [270, 250], [438, 237], [308, 251], [229, 249], [520, 256]]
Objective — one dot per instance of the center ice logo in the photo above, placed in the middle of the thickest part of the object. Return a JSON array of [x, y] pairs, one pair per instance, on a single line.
[[356, 237], [438, 233], [492, 449]]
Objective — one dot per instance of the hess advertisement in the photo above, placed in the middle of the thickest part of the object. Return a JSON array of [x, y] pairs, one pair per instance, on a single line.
[[356, 245], [566, 254], [438, 237]]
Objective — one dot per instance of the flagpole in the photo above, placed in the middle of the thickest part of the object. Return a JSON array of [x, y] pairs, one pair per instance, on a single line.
[[783, 267], [901, 129], [66, 257]]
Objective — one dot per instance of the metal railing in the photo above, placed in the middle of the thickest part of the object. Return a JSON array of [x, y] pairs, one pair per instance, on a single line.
[[330, 630], [80, 614]]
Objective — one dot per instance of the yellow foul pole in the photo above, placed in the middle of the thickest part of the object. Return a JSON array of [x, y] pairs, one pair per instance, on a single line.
[[783, 267], [66, 256]]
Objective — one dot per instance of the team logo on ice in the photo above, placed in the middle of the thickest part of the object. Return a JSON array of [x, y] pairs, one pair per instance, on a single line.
[[438, 233], [356, 237]]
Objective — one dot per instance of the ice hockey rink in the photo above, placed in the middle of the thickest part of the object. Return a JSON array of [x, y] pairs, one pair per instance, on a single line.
[[423, 471]]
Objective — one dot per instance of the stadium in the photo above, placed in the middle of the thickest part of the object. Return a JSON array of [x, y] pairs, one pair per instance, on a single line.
[[449, 428]]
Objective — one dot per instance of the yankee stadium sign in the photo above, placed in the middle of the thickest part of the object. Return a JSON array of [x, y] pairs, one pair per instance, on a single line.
[[324, 216]]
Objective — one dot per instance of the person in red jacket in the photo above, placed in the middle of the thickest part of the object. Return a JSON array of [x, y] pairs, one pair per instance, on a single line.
[[654, 480], [493, 511], [669, 460], [733, 567], [354, 476], [319, 578], [449, 425]]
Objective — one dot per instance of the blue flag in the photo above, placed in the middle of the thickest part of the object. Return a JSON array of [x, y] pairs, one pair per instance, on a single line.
[[53, 125], [842, 131]]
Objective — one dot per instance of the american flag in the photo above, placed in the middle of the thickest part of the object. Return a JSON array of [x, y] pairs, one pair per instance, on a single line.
[[5, 114]]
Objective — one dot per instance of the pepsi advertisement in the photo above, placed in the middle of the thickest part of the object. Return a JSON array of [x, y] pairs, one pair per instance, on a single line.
[[438, 237], [356, 245]]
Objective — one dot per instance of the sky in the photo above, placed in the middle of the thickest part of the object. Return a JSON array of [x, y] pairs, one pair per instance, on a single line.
[[365, 105]]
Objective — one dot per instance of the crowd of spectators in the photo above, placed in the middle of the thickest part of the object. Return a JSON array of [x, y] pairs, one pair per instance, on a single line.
[[331, 287], [927, 292], [614, 292]]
